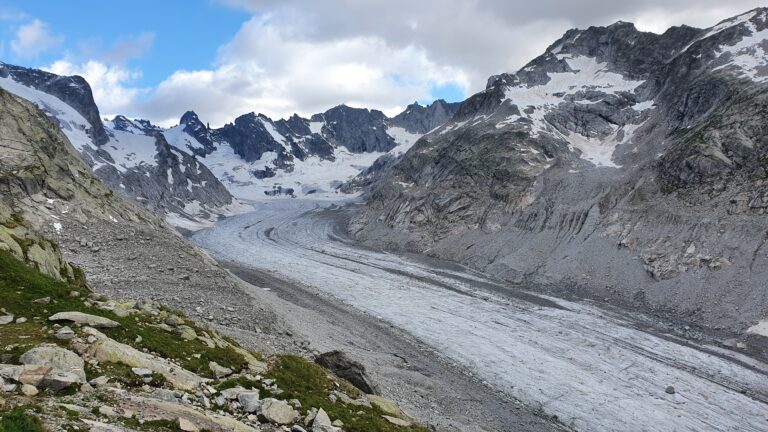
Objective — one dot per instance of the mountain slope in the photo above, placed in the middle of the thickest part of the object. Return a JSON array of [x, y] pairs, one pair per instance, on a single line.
[[132, 157], [619, 165]]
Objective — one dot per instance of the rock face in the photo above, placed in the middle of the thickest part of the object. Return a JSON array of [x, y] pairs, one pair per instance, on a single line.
[[652, 147], [346, 368], [420, 119]]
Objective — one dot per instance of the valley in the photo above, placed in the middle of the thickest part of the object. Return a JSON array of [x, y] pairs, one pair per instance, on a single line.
[[594, 368]]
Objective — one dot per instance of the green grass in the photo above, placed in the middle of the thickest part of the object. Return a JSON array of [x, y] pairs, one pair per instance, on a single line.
[[123, 374], [21, 285], [238, 382], [18, 420], [311, 385]]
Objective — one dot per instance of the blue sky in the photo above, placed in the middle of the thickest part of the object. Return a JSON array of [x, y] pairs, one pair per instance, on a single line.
[[186, 34], [223, 58]]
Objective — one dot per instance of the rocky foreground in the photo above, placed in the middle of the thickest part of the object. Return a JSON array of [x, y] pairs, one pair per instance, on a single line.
[[76, 360]]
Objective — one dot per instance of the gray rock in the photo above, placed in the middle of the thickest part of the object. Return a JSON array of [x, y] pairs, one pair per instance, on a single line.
[[144, 373], [64, 333], [6, 319], [84, 319], [670, 390], [322, 423], [278, 412], [249, 400], [58, 359], [218, 370]]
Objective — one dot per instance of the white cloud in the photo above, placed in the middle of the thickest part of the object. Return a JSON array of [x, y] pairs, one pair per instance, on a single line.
[[268, 69], [34, 38], [110, 84]]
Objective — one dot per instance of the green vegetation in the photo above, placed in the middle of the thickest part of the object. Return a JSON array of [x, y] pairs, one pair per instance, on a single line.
[[18, 420], [311, 385], [300, 379], [192, 355], [238, 382], [123, 374]]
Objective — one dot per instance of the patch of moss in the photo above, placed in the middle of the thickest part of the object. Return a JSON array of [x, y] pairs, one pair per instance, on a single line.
[[153, 425], [237, 382], [123, 374], [20, 419]]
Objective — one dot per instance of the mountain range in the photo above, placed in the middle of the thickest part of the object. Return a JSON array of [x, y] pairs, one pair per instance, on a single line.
[[620, 165]]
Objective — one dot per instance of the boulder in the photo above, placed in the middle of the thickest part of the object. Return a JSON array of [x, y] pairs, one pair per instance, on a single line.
[[65, 333], [397, 421], [59, 359], [249, 400], [144, 373], [186, 332], [29, 390], [24, 374], [278, 412], [84, 319], [387, 406], [186, 425], [218, 370], [6, 319], [344, 367], [105, 349], [322, 423], [59, 380]]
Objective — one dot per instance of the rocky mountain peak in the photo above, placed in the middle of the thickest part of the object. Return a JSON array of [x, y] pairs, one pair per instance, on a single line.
[[72, 90], [196, 129], [421, 119]]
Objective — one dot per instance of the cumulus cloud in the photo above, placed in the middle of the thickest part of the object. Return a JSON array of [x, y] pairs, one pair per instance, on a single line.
[[266, 69], [34, 38], [111, 85]]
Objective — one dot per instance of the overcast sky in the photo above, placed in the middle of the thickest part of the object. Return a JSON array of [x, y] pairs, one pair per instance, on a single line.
[[223, 58]]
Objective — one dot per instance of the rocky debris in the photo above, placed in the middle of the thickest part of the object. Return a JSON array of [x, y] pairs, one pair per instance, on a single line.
[[278, 411], [84, 319], [669, 390], [346, 368], [105, 349]]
